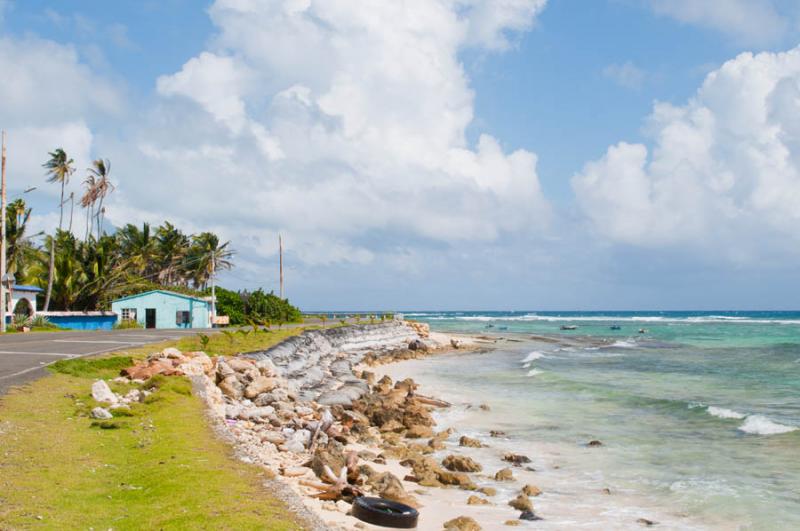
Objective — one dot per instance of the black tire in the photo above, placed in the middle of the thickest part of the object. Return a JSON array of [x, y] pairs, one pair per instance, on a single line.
[[385, 513]]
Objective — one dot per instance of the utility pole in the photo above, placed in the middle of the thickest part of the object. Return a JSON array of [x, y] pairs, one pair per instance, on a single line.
[[280, 253], [3, 243]]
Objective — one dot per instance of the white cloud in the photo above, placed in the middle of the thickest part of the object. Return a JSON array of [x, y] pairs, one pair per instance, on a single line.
[[724, 170], [338, 123], [754, 21], [50, 103], [627, 75]]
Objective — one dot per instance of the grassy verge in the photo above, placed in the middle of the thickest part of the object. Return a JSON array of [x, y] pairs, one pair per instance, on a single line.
[[158, 466]]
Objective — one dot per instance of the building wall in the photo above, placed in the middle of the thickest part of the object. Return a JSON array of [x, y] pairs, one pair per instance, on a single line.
[[166, 307]]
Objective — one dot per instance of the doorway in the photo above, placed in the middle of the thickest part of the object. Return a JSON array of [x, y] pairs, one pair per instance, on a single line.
[[150, 318]]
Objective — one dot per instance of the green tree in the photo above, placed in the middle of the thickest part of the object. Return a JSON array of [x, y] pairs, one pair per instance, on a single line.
[[101, 170], [207, 256], [59, 169]]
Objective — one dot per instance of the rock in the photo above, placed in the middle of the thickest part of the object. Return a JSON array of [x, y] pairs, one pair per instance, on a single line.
[[342, 506], [302, 436], [240, 364], [516, 459], [521, 503], [469, 442], [256, 413], [461, 463], [497, 433], [504, 474], [484, 407], [529, 516], [267, 368], [593, 444], [488, 491], [455, 343], [273, 437], [531, 490], [102, 414], [392, 426], [259, 385], [477, 500], [331, 455], [512, 523], [462, 523], [101, 392], [231, 387], [171, 352], [419, 432], [645, 522], [293, 471], [418, 345], [606, 491], [388, 486], [232, 411], [293, 446], [460, 479]]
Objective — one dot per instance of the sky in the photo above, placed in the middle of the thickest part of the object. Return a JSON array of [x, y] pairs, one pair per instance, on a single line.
[[433, 154]]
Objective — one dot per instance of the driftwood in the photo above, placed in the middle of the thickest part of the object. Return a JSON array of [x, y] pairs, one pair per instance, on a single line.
[[430, 401], [338, 488]]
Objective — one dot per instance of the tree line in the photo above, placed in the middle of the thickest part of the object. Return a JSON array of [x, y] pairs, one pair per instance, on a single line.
[[88, 273]]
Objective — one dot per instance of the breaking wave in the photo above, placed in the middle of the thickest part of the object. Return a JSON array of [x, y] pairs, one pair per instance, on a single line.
[[761, 425]]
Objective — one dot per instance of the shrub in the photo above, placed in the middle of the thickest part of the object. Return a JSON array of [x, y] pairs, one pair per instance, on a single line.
[[127, 324]]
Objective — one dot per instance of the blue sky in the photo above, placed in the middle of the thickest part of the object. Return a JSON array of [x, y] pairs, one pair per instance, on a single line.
[[451, 154]]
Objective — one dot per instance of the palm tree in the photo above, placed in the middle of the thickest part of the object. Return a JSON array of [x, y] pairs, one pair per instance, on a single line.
[[137, 248], [20, 247], [59, 168], [173, 246], [207, 256], [88, 199], [101, 171]]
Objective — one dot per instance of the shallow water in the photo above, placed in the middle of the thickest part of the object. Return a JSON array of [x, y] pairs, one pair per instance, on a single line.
[[698, 416]]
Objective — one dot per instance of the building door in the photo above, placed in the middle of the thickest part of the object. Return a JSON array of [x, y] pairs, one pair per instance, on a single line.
[[150, 318]]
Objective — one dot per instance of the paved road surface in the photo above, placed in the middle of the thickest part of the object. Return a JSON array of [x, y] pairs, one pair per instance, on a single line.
[[24, 356]]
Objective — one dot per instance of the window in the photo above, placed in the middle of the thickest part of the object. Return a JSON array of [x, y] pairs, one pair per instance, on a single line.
[[182, 317], [129, 314]]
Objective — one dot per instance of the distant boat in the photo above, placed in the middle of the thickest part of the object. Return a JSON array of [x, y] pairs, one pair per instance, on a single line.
[[569, 327], [642, 331], [615, 327]]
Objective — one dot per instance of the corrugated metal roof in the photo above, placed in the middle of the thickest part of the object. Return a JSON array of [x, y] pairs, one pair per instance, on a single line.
[[163, 291]]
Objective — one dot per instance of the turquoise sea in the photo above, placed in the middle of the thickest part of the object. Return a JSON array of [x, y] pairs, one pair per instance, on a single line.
[[698, 412]]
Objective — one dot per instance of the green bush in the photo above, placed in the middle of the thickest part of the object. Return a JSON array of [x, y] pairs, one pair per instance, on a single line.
[[127, 324]]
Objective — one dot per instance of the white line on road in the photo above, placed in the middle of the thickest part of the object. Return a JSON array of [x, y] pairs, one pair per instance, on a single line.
[[96, 341], [36, 353]]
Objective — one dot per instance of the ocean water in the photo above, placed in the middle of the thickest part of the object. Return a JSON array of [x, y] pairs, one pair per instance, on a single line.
[[699, 416]]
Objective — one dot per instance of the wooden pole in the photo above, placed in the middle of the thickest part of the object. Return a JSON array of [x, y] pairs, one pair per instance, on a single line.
[[3, 244], [280, 252]]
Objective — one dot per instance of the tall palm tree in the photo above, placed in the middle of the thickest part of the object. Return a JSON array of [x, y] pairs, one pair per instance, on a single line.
[[20, 248], [88, 199], [59, 168], [101, 170], [207, 256]]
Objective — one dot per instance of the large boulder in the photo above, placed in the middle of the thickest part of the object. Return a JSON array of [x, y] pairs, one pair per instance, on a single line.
[[388, 486], [461, 463], [260, 384], [462, 523], [101, 392]]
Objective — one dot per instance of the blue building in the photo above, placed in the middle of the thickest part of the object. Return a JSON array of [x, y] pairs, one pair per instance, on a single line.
[[164, 309]]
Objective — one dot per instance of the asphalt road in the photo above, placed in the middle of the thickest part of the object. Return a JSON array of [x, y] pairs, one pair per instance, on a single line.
[[23, 357]]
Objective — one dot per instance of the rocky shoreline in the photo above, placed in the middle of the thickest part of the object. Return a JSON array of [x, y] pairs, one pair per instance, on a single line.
[[312, 412]]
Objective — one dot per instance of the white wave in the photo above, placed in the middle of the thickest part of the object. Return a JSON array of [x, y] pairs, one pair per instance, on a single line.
[[535, 355], [723, 413], [615, 319], [534, 372], [623, 343], [695, 405], [526, 365], [761, 425]]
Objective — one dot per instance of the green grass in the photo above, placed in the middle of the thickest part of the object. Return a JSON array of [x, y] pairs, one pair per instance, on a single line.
[[158, 466]]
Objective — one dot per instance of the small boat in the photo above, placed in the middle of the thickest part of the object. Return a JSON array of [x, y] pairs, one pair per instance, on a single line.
[[569, 327], [615, 327], [642, 331]]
